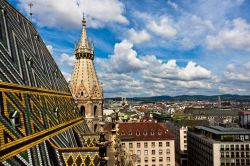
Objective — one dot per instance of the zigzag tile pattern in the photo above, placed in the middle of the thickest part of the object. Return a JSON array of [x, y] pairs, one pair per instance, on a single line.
[[34, 96]]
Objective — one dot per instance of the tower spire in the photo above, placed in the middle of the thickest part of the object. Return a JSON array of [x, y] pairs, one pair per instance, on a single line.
[[83, 50]]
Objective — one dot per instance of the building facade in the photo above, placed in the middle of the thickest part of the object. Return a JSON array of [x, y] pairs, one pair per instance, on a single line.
[[216, 145], [84, 84], [147, 144]]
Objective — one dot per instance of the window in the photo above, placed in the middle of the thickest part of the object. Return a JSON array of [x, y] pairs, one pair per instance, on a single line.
[[160, 159], [145, 144], [137, 133], [160, 144], [153, 159], [168, 159], [167, 144], [222, 154], [153, 151], [221, 147], [152, 144], [247, 147], [138, 145], [138, 161], [138, 152], [123, 145], [145, 133], [160, 152], [152, 132], [130, 145], [15, 119], [168, 151], [146, 159], [95, 111], [185, 141], [232, 147], [145, 152], [130, 133]]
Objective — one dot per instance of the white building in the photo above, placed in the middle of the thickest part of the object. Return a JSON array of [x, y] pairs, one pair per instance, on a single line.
[[147, 144]]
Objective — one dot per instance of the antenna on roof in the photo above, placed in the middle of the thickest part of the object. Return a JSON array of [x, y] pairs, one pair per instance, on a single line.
[[31, 5]]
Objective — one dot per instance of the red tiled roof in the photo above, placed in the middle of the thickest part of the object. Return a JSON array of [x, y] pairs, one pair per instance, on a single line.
[[144, 131]]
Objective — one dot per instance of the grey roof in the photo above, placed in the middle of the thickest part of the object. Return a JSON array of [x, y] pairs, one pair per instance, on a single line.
[[214, 112], [219, 130]]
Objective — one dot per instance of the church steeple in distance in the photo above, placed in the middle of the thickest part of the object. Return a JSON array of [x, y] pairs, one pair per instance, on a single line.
[[84, 84]]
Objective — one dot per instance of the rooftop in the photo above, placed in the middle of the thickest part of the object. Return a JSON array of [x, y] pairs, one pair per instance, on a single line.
[[144, 131], [219, 130]]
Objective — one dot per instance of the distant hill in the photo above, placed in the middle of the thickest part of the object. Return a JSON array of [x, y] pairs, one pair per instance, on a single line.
[[226, 97]]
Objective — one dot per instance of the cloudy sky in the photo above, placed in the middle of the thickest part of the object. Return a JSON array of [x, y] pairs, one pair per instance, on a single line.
[[153, 47]]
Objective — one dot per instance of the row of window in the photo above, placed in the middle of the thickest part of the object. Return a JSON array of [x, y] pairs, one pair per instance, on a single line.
[[144, 133], [153, 159], [154, 165], [235, 154], [234, 147], [153, 152], [153, 144]]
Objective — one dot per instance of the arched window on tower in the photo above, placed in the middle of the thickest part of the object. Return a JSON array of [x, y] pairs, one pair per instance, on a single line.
[[95, 110], [95, 127], [82, 110]]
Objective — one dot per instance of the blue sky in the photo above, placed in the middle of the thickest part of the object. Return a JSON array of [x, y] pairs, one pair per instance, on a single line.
[[153, 47]]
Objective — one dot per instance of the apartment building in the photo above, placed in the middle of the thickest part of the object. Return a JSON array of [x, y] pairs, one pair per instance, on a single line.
[[179, 129], [147, 144], [219, 145]]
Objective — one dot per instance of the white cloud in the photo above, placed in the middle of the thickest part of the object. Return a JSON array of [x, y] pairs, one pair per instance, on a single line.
[[233, 73], [124, 59], [50, 48], [163, 28], [65, 58], [68, 13], [172, 4], [247, 65], [232, 90], [138, 36], [125, 72], [237, 36], [67, 76]]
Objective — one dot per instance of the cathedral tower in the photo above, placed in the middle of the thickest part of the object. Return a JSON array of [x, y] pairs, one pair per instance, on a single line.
[[84, 85]]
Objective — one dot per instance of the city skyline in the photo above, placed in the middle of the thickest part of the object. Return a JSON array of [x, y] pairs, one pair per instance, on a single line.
[[158, 48]]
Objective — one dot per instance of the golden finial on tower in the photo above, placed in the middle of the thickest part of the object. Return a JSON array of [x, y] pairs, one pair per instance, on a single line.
[[83, 20], [31, 5]]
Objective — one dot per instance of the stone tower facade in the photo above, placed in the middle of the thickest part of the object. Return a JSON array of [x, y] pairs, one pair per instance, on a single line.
[[84, 85]]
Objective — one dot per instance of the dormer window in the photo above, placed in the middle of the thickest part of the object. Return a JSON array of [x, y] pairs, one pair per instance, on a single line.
[[137, 133], [122, 133], [144, 132], [14, 119], [152, 132], [159, 132], [56, 112], [130, 133]]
